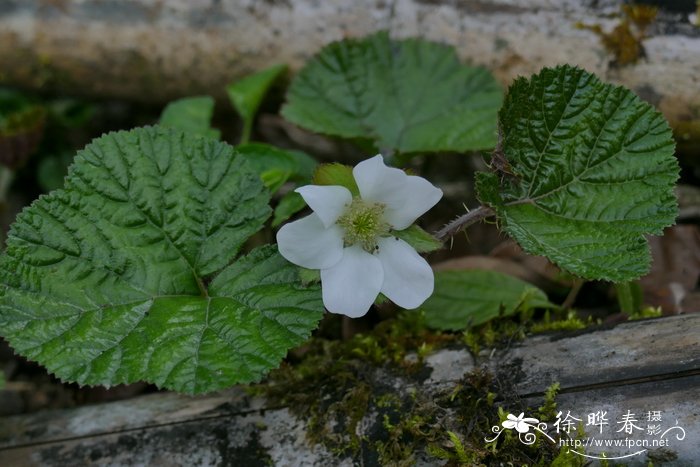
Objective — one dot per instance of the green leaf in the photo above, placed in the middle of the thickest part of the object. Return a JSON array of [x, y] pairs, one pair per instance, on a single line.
[[129, 273], [419, 239], [247, 94], [305, 165], [336, 174], [191, 115], [471, 297], [290, 204], [275, 165], [409, 96], [593, 172]]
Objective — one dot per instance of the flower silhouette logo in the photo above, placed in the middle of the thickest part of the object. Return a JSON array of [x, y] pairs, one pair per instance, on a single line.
[[521, 423]]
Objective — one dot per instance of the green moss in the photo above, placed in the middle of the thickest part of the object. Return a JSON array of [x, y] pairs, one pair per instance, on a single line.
[[340, 386], [571, 322], [333, 386], [548, 410], [644, 313]]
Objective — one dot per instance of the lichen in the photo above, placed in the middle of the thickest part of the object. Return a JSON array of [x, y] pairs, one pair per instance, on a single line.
[[624, 41]]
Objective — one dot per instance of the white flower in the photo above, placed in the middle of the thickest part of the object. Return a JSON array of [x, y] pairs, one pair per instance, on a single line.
[[350, 240], [521, 423]]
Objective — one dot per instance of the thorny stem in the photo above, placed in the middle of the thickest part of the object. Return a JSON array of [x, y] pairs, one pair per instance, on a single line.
[[462, 222]]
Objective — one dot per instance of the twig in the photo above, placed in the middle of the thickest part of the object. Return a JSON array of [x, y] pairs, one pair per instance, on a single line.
[[462, 222]]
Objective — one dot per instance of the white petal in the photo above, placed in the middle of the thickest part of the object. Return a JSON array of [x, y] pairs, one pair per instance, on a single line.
[[522, 427], [416, 196], [351, 286], [328, 202], [375, 180], [406, 197], [408, 278], [509, 424], [307, 243]]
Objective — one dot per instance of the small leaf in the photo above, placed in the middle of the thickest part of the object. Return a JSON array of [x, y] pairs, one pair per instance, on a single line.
[[129, 273], [191, 115], [247, 94], [472, 297], [419, 239], [275, 165], [409, 96], [336, 174], [593, 172], [290, 204]]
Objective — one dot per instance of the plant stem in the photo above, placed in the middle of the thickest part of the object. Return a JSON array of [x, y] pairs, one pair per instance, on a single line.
[[6, 178], [462, 222], [247, 130], [573, 293]]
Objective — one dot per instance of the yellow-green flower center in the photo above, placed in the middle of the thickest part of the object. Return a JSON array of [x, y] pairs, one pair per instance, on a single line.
[[363, 223]]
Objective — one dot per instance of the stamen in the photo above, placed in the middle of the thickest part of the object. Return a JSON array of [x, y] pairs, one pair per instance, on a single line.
[[364, 224]]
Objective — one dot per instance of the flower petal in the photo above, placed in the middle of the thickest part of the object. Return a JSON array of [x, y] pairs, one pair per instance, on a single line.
[[351, 286], [328, 202], [374, 178], [307, 243], [416, 196], [522, 427], [408, 278], [406, 197], [509, 424]]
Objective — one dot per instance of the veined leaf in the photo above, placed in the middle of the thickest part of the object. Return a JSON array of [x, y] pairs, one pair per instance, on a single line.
[[471, 297], [130, 273], [191, 115], [593, 172], [410, 96]]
